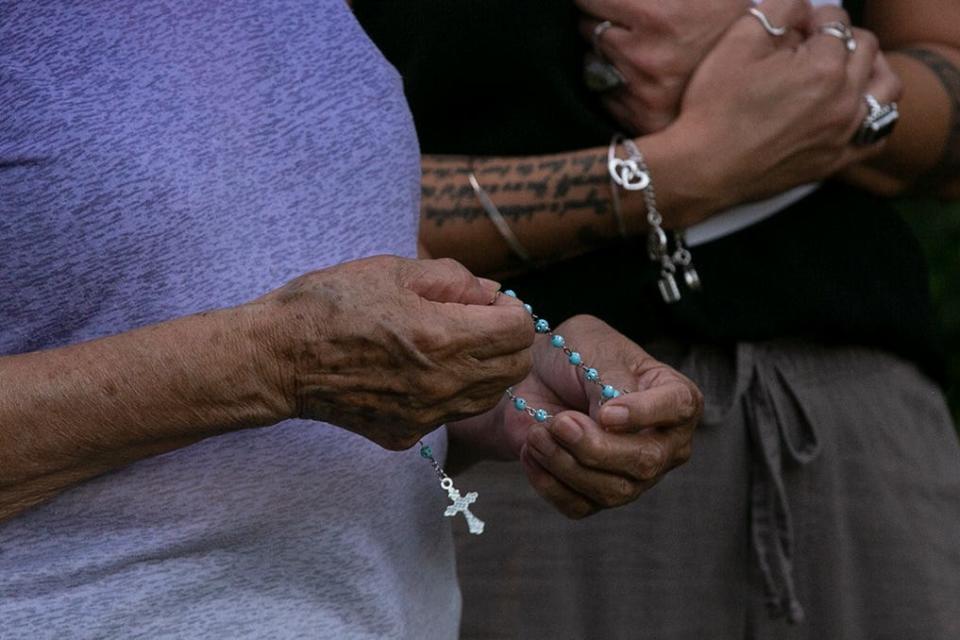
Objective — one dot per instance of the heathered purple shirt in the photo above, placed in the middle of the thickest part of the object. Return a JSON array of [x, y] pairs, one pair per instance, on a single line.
[[162, 158]]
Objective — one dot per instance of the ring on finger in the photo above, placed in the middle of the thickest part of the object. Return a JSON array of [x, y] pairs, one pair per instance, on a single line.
[[598, 32], [879, 123], [600, 75], [841, 31], [776, 32]]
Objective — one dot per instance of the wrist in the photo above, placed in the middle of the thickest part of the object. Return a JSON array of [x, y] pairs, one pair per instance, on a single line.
[[265, 343], [691, 185]]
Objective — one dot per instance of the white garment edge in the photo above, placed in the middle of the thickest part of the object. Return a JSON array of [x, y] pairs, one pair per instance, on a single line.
[[733, 220]]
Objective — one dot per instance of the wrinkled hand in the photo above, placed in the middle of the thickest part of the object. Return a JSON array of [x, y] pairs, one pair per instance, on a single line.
[[587, 458], [392, 348], [656, 45], [774, 113]]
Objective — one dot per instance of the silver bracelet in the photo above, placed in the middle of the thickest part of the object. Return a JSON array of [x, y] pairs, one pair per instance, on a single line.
[[632, 174], [500, 222]]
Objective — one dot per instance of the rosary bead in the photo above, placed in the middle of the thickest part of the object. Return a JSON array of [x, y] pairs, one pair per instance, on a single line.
[[540, 415], [542, 326], [592, 375], [558, 341], [519, 404], [426, 452], [528, 308], [609, 392], [575, 359], [511, 293]]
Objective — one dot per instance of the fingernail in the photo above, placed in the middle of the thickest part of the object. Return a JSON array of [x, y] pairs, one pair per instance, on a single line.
[[542, 443], [568, 431], [489, 284], [614, 416]]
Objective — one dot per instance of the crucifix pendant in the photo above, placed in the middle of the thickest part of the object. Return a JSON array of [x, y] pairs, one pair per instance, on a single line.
[[461, 504]]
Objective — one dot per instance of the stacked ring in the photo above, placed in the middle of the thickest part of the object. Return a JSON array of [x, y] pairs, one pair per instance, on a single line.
[[878, 124], [841, 31], [776, 32], [598, 73]]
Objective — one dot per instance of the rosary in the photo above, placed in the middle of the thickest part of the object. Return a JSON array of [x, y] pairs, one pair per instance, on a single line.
[[461, 503]]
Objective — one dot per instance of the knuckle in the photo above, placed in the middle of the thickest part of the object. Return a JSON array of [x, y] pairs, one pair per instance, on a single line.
[[443, 388], [622, 492], [518, 323], [868, 40], [686, 402], [830, 69], [651, 462], [520, 366]]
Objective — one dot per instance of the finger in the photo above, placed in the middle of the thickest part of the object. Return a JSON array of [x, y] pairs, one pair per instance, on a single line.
[[827, 13], [609, 486], [488, 331], [669, 404], [862, 61], [567, 501], [574, 440], [588, 31], [494, 375], [613, 45], [885, 84], [446, 280]]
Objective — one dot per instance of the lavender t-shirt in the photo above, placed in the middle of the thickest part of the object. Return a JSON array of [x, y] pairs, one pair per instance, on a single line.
[[158, 158]]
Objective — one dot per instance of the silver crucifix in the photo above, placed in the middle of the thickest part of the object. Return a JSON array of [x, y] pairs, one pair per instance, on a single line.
[[461, 504]]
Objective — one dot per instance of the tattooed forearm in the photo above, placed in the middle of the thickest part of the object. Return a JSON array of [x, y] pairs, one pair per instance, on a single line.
[[554, 206], [521, 188], [948, 167]]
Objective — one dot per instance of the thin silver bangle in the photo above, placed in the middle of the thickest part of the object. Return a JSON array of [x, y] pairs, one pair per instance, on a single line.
[[500, 222]]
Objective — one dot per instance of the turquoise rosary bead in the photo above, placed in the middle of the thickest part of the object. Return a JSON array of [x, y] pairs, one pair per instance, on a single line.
[[607, 392], [426, 452]]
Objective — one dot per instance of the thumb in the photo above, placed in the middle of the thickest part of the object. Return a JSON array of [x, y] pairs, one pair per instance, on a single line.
[[447, 280]]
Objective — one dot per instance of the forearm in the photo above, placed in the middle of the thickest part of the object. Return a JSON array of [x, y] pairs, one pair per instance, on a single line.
[[922, 151], [922, 41], [558, 206], [71, 413]]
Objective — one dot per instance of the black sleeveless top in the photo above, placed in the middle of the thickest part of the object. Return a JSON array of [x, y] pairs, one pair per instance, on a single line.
[[501, 77]]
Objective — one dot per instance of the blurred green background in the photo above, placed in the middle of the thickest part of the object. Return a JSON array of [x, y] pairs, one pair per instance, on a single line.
[[937, 226]]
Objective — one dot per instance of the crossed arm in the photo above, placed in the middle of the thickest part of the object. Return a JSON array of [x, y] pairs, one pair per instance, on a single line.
[[789, 133]]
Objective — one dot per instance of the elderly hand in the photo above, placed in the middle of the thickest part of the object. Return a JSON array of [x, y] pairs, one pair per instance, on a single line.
[[392, 348], [655, 45], [587, 458]]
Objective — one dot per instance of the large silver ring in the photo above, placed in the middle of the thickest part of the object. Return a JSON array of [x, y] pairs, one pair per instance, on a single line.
[[599, 75], [776, 32], [878, 124], [598, 32], [841, 31]]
